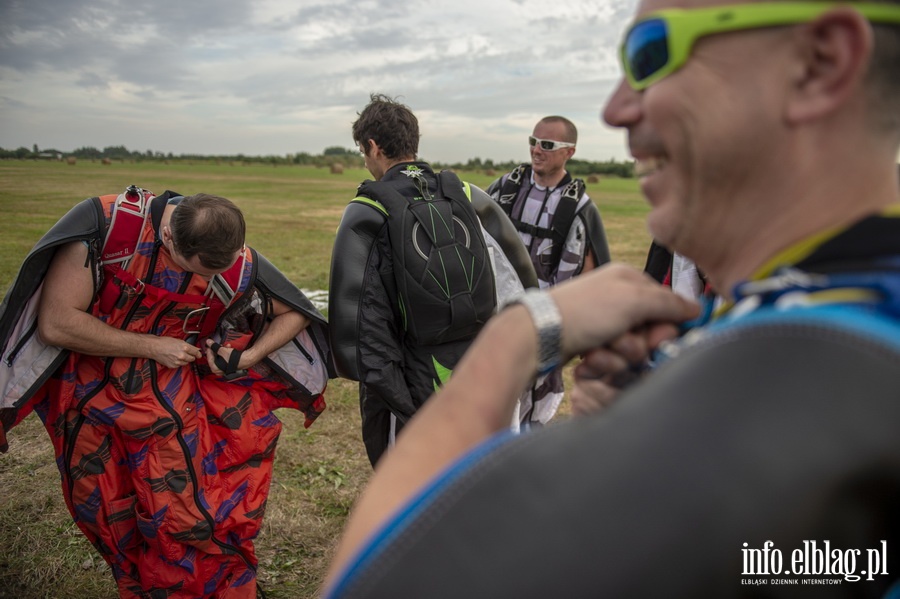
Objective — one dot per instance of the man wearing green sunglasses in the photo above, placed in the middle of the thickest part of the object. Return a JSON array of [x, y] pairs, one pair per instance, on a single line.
[[763, 455]]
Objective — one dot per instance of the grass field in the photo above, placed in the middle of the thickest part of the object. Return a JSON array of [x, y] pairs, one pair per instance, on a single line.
[[292, 214]]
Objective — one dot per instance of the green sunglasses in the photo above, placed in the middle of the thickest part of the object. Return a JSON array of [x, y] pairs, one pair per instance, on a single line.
[[658, 44]]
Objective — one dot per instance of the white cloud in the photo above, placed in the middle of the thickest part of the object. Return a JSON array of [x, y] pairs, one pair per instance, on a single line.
[[278, 76]]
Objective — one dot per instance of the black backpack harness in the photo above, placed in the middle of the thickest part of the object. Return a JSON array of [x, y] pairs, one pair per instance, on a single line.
[[442, 267], [561, 221]]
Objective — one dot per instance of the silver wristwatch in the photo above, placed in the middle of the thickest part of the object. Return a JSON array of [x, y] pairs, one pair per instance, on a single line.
[[548, 323]]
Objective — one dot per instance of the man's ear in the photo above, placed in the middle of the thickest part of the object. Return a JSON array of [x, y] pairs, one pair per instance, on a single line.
[[832, 54], [371, 148]]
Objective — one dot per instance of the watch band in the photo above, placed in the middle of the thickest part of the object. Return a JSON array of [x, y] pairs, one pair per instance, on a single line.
[[548, 323]]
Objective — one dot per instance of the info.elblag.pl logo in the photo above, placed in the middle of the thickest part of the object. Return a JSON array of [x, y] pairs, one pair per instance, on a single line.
[[813, 563]]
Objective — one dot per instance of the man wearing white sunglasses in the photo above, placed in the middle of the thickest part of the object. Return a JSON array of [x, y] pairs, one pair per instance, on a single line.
[[762, 456], [559, 225], [556, 218]]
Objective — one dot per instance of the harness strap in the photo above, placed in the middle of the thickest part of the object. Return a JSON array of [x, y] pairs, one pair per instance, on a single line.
[[510, 188], [534, 230], [129, 216], [122, 236], [153, 295], [563, 217], [221, 293], [229, 368], [558, 230]]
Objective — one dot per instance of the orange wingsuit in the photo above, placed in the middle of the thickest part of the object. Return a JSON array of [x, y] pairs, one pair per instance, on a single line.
[[167, 470]]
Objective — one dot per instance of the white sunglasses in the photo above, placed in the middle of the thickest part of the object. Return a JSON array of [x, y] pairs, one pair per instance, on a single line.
[[548, 145]]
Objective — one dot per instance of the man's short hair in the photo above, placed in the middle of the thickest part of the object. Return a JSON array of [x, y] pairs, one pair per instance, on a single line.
[[391, 124], [571, 134], [884, 80], [209, 227]]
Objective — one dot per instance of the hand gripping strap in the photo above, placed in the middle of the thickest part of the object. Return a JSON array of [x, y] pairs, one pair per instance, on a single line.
[[229, 367]]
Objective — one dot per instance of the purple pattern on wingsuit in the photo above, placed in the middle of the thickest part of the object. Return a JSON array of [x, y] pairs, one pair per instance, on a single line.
[[190, 440], [87, 511], [168, 279], [145, 248], [136, 458], [248, 576], [187, 561], [267, 421], [232, 502], [149, 529], [106, 416], [209, 461], [213, 582], [81, 391], [94, 462], [170, 392]]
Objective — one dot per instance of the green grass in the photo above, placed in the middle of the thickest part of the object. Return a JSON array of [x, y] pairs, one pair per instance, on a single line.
[[292, 215]]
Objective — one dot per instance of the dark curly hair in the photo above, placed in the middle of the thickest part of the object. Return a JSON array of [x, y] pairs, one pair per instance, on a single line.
[[391, 124]]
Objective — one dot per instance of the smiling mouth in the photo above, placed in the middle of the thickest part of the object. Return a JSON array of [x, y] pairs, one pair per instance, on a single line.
[[644, 167]]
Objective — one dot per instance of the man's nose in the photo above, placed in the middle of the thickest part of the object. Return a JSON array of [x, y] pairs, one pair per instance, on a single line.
[[623, 108]]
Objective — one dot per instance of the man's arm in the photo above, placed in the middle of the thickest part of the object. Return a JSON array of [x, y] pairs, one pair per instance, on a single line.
[[63, 320], [589, 263], [380, 351], [286, 325], [478, 400], [596, 236], [586, 246], [576, 256], [362, 321]]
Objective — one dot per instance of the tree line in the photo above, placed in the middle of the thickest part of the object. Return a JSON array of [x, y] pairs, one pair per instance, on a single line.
[[349, 158]]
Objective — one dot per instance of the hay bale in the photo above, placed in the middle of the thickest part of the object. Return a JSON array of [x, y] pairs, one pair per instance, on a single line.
[[106, 161], [593, 179], [490, 172], [71, 160], [337, 168]]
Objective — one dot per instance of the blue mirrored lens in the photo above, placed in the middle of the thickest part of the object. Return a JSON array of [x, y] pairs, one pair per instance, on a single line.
[[647, 49]]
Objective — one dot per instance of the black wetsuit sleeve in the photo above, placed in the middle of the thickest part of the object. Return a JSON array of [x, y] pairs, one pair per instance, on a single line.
[[596, 234], [364, 321], [788, 438], [497, 223]]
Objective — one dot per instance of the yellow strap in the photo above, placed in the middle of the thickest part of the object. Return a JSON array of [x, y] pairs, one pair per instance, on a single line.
[[843, 296], [468, 189], [801, 250], [370, 202], [804, 248]]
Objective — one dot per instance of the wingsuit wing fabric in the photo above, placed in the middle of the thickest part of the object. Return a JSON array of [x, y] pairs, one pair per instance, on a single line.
[[167, 470]]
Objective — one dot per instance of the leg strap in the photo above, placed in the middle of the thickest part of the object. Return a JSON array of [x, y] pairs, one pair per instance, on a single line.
[[229, 367]]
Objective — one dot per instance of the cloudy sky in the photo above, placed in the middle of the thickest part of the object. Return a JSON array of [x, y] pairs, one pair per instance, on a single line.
[[284, 76]]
